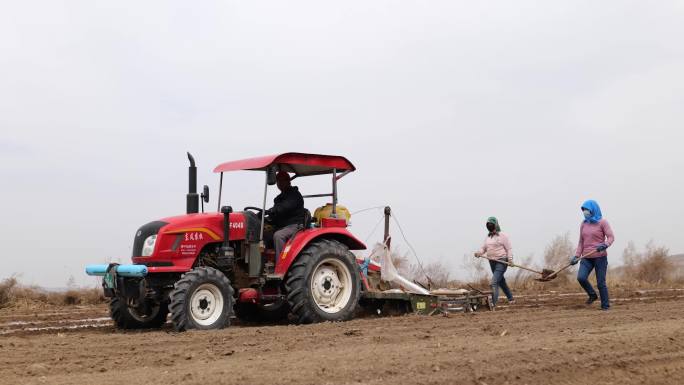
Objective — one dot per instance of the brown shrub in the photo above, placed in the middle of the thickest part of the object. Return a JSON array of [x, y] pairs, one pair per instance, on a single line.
[[400, 261], [92, 296], [558, 252], [438, 273], [478, 269], [650, 266], [523, 280], [7, 291], [521, 277], [71, 297]]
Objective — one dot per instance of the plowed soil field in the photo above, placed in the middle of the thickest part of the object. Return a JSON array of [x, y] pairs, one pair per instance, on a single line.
[[544, 339]]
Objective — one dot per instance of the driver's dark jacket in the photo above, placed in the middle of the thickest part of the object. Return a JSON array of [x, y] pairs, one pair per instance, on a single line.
[[288, 208]]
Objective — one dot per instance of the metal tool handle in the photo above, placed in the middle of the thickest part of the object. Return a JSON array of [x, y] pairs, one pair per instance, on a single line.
[[511, 264], [570, 264]]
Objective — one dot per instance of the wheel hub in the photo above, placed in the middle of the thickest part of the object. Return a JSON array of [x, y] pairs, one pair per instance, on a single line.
[[331, 285], [206, 304]]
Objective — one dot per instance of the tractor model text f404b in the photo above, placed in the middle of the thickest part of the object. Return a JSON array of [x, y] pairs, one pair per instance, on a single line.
[[203, 267]]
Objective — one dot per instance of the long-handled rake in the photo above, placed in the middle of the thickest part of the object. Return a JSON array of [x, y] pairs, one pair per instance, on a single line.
[[544, 273], [554, 274]]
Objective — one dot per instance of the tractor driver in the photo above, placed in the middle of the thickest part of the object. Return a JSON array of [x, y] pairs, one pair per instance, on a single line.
[[287, 214]]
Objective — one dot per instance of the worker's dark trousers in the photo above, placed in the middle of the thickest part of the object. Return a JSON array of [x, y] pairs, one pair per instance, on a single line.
[[498, 281], [600, 265], [281, 236]]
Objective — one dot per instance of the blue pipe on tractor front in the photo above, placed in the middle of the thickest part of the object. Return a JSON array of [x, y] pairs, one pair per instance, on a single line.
[[137, 271]]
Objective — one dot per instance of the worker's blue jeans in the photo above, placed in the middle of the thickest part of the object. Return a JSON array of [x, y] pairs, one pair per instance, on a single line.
[[600, 265], [498, 281]]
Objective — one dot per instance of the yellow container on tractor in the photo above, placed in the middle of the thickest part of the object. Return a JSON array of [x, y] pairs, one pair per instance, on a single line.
[[326, 212]]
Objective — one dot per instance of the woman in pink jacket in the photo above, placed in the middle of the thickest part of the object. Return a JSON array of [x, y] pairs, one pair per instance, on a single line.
[[595, 237], [497, 246]]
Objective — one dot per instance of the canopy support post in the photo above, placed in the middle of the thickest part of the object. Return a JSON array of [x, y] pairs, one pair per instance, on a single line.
[[263, 215], [220, 190], [334, 194]]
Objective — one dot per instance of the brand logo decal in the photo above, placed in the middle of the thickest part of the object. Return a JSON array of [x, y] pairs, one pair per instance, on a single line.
[[194, 236]]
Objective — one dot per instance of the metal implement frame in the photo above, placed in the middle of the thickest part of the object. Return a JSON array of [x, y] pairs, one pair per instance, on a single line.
[[432, 304]]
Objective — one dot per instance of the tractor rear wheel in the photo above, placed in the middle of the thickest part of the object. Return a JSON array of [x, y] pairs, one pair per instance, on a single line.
[[126, 317], [323, 284], [201, 299]]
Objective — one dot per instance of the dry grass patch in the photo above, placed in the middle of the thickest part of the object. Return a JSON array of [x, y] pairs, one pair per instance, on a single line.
[[15, 295]]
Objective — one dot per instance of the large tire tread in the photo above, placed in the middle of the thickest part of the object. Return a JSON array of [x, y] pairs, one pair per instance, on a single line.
[[301, 302], [180, 294]]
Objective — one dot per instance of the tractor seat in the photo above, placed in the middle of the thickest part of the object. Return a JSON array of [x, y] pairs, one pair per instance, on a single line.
[[307, 218]]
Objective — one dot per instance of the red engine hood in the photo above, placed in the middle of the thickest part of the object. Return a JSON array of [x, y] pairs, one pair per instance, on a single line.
[[208, 224], [180, 241]]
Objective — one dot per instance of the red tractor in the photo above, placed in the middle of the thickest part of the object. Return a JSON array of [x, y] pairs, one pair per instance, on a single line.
[[204, 267]]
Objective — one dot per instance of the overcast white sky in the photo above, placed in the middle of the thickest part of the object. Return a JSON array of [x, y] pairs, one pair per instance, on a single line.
[[452, 111]]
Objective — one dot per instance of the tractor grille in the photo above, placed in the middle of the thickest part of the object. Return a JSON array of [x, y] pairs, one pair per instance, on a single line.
[[142, 234]]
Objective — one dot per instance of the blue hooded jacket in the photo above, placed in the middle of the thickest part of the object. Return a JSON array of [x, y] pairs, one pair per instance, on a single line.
[[592, 206]]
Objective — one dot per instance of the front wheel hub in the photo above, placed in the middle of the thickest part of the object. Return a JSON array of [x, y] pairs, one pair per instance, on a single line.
[[206, 304]]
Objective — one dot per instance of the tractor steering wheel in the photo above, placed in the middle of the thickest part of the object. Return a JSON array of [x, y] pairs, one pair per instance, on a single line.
[[257, 209]]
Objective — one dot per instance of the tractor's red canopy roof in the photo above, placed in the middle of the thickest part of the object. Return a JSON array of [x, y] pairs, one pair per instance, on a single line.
[[294, 162]]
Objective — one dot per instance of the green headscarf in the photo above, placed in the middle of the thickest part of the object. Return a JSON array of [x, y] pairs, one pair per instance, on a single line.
[[496, 225]]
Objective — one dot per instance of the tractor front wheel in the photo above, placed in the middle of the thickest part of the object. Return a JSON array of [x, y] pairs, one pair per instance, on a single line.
[[201, 299], [323, 284], [126, 317]]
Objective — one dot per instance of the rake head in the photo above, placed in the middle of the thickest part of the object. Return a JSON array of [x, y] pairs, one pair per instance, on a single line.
[[547, 275]]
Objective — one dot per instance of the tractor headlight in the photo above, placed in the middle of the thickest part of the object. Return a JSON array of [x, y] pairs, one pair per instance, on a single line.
[[148, 246]]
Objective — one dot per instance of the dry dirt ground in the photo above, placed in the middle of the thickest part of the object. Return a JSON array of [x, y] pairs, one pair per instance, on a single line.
[[544, 339]]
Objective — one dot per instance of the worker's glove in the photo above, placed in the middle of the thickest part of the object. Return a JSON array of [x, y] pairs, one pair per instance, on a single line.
[[602, 247], [573, 260]]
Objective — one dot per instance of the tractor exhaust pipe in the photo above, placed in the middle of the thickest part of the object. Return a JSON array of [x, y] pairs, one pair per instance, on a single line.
[[192, 199], [226, 258]]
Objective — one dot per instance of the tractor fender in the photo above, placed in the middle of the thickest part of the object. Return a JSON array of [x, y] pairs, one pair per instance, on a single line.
[[303, 238]]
